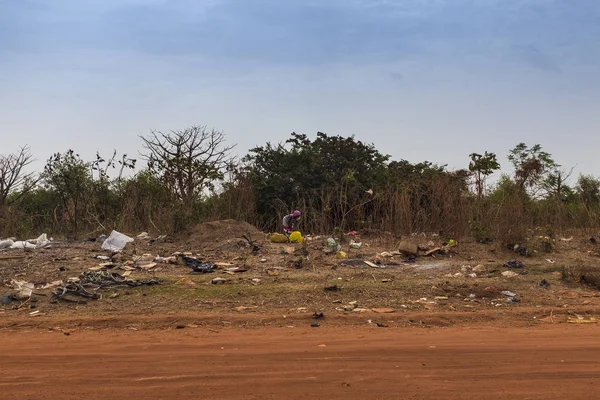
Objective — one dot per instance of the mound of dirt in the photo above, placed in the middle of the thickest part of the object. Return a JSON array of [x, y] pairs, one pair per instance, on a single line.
[[224, 235]]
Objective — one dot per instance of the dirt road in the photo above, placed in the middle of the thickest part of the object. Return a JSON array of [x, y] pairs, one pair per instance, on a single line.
[[551, 362]]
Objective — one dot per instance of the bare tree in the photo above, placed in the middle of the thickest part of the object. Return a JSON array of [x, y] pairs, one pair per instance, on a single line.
[[188, 161], [13, 177]]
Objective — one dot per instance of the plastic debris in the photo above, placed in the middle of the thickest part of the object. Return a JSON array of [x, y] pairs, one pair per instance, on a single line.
[[197, 265], [23, 245], [383, 310], [407, 248], [7, 243], [25, 289], [509, 274], [279, 238], [509, 294], [116, 241], [514, 264], [6, 300]]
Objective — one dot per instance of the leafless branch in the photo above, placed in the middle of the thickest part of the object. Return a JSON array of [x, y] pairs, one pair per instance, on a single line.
[[188, 161], [13, 177]]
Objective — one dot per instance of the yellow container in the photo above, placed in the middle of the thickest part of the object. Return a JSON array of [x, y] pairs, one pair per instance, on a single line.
[[279, 238], [296, 237]]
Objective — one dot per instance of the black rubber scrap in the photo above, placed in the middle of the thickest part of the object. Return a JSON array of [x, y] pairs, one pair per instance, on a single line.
[[199, 266], [514, 264]]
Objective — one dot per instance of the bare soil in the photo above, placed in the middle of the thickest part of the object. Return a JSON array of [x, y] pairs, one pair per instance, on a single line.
[[549, 362]]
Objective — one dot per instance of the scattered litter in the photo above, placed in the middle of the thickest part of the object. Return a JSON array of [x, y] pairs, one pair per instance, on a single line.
[[342, 255], [509, 274], [509, 294], [234, 270], [23, 245], [143, 236], [116, 241], [383, 310], [24, 289], [197, 265], [433, 252], [89, 283], [315, 325], [319, 315], [581, 320], [332, 288], [567, 239], [361, 310], [479, 268], [408, 248], [263, 260], [370, 264], [6, 299], [245, 308], [355, 245], [514, 264], [593, 240], [332, 246], [279, 238], [386, 280], [544, 283], [289, 250], [218, 281], [5, 244], [186, 281], [550, 261]]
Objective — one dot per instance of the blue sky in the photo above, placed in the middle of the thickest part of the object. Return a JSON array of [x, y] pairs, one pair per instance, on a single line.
[[421, 79]]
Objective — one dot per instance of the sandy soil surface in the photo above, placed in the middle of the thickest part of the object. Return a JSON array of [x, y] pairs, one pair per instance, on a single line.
[[546, 362]]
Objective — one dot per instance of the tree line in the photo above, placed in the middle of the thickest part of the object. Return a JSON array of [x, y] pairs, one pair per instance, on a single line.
[[341, 183]]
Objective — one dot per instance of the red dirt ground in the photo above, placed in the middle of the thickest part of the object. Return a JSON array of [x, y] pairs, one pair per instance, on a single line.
[[546, 362]]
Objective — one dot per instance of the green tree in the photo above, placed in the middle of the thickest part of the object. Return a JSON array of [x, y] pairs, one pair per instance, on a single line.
[[70, 179], [531, 165], [482, 166], [332, 173], [588, 190]]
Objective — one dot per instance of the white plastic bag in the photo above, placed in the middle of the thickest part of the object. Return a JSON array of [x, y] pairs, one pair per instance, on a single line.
[[22, 245], [116, 241], [25, 289], [5, 244], [40, 241]]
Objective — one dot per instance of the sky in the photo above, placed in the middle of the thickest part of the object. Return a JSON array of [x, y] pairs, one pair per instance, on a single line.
[[420, 79]]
